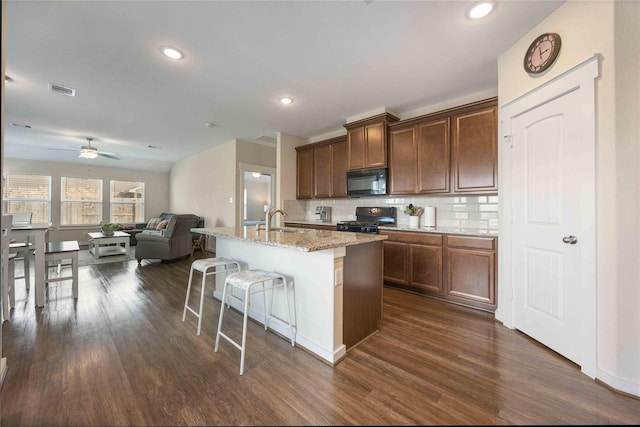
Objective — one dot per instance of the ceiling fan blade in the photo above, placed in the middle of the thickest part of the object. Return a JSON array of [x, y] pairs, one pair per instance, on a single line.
[[108, 155], [62, 149]]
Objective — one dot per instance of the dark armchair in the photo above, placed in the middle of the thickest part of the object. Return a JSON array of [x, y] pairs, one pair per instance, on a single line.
[[172, 243]]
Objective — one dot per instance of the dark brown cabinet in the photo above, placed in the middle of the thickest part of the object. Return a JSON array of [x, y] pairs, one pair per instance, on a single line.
[[452, 151], [322, 169], [459, 269], [367, 142], [304, 173], [471, 270], [413, 260]]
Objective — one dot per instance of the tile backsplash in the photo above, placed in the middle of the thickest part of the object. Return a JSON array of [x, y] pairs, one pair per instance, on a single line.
[[469, 212]]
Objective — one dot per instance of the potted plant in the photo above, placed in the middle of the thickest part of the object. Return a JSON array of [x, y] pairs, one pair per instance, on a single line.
[[414, 213], [108, 228]]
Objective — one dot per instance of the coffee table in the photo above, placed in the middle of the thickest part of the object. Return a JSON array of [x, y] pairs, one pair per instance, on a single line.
[[103, 245]]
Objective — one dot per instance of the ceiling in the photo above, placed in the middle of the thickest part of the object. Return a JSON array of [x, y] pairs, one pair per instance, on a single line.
[[336, 59]]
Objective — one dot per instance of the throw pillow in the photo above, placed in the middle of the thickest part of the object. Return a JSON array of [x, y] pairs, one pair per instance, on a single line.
[[162, 225], [153, 223]]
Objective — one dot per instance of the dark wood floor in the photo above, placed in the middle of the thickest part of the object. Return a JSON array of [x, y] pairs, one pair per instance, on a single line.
[[120, 355]]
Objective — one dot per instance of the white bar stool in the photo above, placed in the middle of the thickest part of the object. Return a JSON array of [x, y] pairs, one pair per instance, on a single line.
[[203, 266], [244, 280], [23, 252]]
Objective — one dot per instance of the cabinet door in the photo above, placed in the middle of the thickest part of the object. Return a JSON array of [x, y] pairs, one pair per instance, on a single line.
[[304, 174], [432, 140], [475, 151], [322, 171], [402, 161], [339, 169], [426, 267], [471, 275], [375, 145], [355, 141], [395, 262]]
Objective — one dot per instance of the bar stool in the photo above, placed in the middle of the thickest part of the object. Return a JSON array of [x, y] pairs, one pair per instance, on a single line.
[[23, 252], [203, 266], [245, 280]]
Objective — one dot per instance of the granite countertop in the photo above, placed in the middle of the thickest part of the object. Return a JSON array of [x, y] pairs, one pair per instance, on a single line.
[[440, 230], [300, 239]]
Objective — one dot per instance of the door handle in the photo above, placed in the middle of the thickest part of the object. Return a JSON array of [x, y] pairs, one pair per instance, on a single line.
[[571, 240]]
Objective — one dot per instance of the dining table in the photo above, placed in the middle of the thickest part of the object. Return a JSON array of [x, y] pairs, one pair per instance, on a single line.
[[36, 234]]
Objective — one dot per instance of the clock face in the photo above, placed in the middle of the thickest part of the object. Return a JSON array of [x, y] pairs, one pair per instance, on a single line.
[[542, 53]]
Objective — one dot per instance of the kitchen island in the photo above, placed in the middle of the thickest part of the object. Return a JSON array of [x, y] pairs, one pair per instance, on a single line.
[[337, 279]]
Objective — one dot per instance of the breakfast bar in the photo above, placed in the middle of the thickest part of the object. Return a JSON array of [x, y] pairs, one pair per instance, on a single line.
[[337, 280]]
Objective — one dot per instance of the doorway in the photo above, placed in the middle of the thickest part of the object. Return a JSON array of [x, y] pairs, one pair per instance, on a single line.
[[548, 260], [257, 187]]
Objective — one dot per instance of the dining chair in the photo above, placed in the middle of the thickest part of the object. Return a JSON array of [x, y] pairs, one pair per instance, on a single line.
[[23, 250], [8, 295]]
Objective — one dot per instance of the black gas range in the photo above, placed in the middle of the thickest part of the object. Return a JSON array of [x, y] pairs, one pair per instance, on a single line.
[[368, 219]]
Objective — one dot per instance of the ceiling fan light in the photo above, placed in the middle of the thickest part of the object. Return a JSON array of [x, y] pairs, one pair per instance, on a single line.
[[88, 153]]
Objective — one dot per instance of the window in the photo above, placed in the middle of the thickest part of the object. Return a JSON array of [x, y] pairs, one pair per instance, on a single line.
[[127, 202], [81, 201], [27, 193]]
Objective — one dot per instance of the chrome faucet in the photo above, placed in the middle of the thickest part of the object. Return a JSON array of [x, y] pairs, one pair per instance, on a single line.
[[269, 214]]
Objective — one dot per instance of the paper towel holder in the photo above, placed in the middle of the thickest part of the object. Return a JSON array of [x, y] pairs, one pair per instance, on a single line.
[[429, 216]]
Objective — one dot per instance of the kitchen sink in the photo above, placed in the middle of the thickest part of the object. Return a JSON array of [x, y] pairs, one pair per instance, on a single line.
[[290, 230]]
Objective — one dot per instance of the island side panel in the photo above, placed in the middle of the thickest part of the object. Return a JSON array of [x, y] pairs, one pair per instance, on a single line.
[[362, 291], [318, 301]]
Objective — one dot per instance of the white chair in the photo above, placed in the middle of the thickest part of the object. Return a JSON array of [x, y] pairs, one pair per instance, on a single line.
[[245, 281], [60, 251], [23, 250], [203, 266], [8, 292]]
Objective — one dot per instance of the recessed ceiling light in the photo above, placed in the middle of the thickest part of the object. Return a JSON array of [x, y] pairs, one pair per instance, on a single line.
[[209, 124], [480, 10], [7, 79], [171, 52], [286, 100]]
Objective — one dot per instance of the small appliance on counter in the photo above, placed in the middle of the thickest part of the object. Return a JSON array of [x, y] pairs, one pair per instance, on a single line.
[[324, 214], [368, 219]]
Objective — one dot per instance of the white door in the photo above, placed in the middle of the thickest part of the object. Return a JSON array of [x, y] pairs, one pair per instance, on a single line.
[[552, 223]]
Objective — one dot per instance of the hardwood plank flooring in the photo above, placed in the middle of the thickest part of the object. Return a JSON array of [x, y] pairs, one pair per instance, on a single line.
[[121, 355]]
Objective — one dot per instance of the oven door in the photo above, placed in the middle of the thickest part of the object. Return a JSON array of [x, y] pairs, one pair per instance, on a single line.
[[367, 182]]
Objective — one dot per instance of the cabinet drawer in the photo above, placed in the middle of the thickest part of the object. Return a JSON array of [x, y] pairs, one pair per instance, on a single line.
[[414, 237], [487, 243]]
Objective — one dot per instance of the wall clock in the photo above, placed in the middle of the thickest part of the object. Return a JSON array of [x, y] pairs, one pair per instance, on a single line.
[[542, 52]]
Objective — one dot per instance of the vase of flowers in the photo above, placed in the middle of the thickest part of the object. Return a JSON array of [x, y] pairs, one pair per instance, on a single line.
[[109, 228], [414, 213]]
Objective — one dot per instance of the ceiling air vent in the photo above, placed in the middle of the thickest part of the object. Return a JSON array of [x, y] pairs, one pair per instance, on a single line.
[[62, 89]]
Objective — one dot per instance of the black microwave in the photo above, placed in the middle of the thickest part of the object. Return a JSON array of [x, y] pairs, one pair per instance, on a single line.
[[367, 182]]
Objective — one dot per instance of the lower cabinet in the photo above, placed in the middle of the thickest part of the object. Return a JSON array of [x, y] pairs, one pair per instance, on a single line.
[[459, 269]]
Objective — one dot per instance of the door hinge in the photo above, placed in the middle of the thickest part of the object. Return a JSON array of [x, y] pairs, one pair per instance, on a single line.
[[508, 139]]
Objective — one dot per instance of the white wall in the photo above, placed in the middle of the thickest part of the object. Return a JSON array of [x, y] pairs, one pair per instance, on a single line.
[[156, 190], [205, 185], [609, 29], [286, 158]]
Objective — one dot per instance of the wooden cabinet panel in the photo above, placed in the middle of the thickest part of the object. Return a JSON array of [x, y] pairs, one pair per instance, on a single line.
[[355, 141], [395, 262], [426, 267], [471, 275], [339, 169], [375, 153], [322, 171], [367, 142], [433, 156], [402, 161], [304, 174], [487, 243], [433, 239], [475, 145]]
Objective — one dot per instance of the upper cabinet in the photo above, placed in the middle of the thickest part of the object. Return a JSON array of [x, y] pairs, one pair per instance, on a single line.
[[475, 150], [452, 151], [322, 169], [367, 142]]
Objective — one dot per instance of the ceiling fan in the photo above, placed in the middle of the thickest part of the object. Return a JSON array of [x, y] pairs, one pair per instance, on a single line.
[[90, 152]]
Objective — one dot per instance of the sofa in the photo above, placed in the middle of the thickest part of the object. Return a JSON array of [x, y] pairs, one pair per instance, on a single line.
[[139, 227], [173, 242]]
